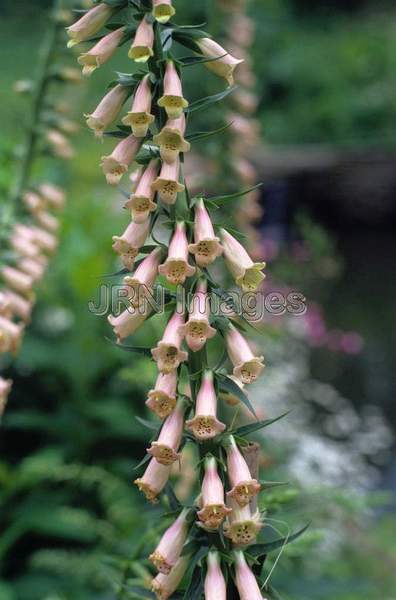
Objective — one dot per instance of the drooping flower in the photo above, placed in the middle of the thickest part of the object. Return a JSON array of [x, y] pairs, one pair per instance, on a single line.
[[60, 145], [44, 239], [116, 164], [206, 247], [107, 110], [31, 266], [53, 194], [129, 243], [205, 424], [247, 367], [215, 584], [141, 201], [165, 585], [246, 273], [171, 139], [17, 280], [242, 526], [139, 285], [24, 245], [139, 118], [33, 202], [245, 580], [5, 388], [165, 448], [154, 479], [169, 549], [197, 329], [102, 51], [48, 221], [176, 268], [162, 399], [129, 321], [168, 353], [172, 100], [19, 306], [167, 183], [142, 46], [244, 487], [163, 10], [89, 24], [10, 335], [225, 63], [213, 510], [229, 397], [5, 305]]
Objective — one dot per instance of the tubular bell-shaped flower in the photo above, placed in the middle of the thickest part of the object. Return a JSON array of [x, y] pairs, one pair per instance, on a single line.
[[165, 585], [141, 201], [162, 399], [245, 580], [10, 335], [167, 183], [172, 100], [168, 353], [225, 63], [141, 282], [205, 424], [244, 487], [129, 243], [139, 118], [116, 164], [107, 109], [207, 246], [213, 510], [142, 46], [246, 273], [169, 549], [176, 268], [165, 448], [242, 526], [215, 584], [197, 329], [247, 367], [163, 10], [171, 139], [19, 306], [17, 280], [102, 51], [33, 267], [153, 480], [53, 194], [89, 24], [128, 321]]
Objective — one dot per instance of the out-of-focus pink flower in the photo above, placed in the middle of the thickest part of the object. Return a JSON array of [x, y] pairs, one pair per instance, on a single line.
[[140, 284], [17, 280], [213, 509], [168, 353], [162, 399], [167, 183], [225, 63], [176, 268], [48, 221], [107, 110], [165, 449], [242, 526], [21, 307], [5, 388], [171, 139], [244, 487], [163, 10], [169, 549], [142, 46], [245, 580], [206, 247], [165, 585], [116, 164], [247, 367], [23, 245], [33, 202], [139, 118], [45, 240], [101, 52], [215, 584], [32, 267], [197, 329], [172, 100], [89, 24], [10, 335], [141, 201], [351, 342], [129, 243], [205, 424], [53, 194], [59, 144], [246, 273]]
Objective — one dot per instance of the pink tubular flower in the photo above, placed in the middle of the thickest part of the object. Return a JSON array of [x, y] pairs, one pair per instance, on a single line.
[[165, 449], [162, 399], [128, 321], [242, 526], [225, 63], [213, 510], [176, 267], [139, 118], [167, 183], [102, 51], [53, 194], [142, 45], [172, 100], [10, 335], [197, 329], [24, 245], [167, 353], [116, 164], [244, 487], [141, 201], [171, 139], [163, 10], [143, 278], [107, 110], [165, 585], [45, 240], [205, 424], [5, 388], [246, 273], [32, 267], [245, 580], [129, 243], [247, 367], [59, 144], [154, 480], [207, 246], [5, 305], [215, 585], [168, 551], [33, 202], [17, 280], [21, 307], [48, 221], [89, 24]]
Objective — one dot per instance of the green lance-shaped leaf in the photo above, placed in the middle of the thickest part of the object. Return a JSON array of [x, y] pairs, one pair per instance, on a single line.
[[195, 587], [224, 198], [200, 135], [172, 498], [138, 349], [149, 424], [202, 103], [139, 592], [228, 385], [190, 61], [252, 427], [261, 549]]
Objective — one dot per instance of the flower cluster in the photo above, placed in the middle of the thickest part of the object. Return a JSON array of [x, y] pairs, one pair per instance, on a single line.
[[152, 142], [30, 218]]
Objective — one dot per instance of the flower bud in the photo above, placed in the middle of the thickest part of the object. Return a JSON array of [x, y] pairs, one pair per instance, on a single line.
[[207, 246], [162, 399], [102, 51], [176, 268], [142, 45], [205, 424], [172, 100], [168, 353], [247, 367], [246, 273], [168, 551], [141, 201], [171, 139], [139, 118], [116, 164], [154, 480]]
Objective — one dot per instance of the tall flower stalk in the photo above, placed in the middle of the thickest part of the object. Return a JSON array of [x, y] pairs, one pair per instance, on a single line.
[[202, 548]]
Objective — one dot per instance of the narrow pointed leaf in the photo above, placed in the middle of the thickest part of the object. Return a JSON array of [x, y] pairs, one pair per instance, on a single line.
[[252, 427], [261, 549], [207, 100], [229, 385]]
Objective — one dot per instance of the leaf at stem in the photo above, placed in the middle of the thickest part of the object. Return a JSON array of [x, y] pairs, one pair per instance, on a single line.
[[252, 427], [261, 549], [207, 100], [229, 385]]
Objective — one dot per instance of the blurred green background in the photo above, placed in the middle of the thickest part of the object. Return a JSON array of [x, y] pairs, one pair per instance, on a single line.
[[69, 517]]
